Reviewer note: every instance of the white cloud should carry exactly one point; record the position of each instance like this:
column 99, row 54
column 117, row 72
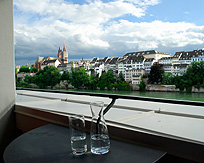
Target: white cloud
column 93, row 12
column 91, row 30
column 154, row 34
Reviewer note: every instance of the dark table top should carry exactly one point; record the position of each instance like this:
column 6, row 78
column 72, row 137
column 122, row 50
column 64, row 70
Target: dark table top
column 51, row 144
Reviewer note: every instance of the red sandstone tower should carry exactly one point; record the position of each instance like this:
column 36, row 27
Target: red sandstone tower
column 63, row 55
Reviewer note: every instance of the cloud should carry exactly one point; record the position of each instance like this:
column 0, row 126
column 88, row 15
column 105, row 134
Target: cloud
column 93, row 12
column 94, row 29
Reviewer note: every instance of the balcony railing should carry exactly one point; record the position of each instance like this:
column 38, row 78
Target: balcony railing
column 154, row 128
column 113, row 96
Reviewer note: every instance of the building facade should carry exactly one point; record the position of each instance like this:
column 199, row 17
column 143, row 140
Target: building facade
column 133, row 76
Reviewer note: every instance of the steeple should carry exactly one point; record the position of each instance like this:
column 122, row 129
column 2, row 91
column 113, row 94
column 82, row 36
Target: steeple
column 64, row 49
column 59, row 53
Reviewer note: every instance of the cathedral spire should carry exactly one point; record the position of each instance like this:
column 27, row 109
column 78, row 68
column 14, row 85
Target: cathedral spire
column 64, row 49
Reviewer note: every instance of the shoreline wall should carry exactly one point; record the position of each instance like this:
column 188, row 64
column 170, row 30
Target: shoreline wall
column 165, row 88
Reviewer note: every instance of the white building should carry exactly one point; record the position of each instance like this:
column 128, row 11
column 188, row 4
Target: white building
column 99, row 68
column 198, row 55
column 168, row 68
column 148, row 64
column 54, row 62
column 134, row 75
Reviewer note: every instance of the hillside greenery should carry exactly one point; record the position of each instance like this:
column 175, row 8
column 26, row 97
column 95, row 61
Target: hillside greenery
column 78, row 78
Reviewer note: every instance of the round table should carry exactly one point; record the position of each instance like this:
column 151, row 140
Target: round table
column 51, row 144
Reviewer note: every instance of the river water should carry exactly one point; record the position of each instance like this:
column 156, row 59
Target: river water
column 166, row 95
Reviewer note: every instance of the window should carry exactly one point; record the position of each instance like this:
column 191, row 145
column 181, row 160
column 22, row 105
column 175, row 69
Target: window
column 96, row 42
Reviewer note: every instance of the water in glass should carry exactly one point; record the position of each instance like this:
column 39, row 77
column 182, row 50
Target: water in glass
column 100, row 142
column 78, row 144
column 78, row 134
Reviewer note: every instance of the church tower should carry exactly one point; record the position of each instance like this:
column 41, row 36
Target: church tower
column 59, row 53
column 64, row 55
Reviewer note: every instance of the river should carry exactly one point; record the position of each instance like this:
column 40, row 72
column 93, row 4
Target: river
column 166, row 95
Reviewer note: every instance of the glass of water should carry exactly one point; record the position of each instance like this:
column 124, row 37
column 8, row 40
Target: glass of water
column 78, row 134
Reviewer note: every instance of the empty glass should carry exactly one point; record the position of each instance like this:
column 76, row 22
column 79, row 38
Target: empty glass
column 78, row 134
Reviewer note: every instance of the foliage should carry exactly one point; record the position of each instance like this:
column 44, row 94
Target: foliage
column 106, row 80
column 79, row 78
column 16, row 71
column 144, row 76
column 66, row 76
column 167, row 78
column 93, row 82
column 155, row 76
column 142, row 86
column 28, row 79
column 28, row 69
column 194, row 76
column 49, row 76
column 120, row 77
column 24, row 69
column 33, row 69
column 102, row 81
column 21, row 83
column 121, row 84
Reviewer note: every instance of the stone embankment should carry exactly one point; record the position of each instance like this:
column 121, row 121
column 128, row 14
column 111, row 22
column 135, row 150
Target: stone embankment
column 165, row 88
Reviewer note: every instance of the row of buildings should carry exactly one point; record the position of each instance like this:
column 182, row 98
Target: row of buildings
column 133, row 65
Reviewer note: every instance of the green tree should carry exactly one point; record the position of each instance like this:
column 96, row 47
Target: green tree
column 16, row 71
column 28, row 79
column 24, row 69
column 49, row 76
column 66, row 76
column 102, row 81
column 21, row 83
column 93, row 82
column 194, row 76
column 167, row 78
column 155, row 76
column 106, row 80
column 33, row 69
column 79, row 78
column 142, row 86
column 121, row 84
column 110, row 79
column 120, row 77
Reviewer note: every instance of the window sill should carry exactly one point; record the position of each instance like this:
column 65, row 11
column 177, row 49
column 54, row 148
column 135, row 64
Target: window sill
column 175, row 130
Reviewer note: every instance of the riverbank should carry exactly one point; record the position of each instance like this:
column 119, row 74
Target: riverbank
column 165, row 88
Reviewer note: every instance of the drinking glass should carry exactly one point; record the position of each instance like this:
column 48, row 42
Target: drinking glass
column 78, row 134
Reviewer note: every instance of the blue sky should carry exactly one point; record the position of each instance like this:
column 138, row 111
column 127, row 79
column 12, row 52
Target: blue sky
column 100, row 28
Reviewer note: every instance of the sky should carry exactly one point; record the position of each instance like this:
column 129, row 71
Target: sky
column 101, row 28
